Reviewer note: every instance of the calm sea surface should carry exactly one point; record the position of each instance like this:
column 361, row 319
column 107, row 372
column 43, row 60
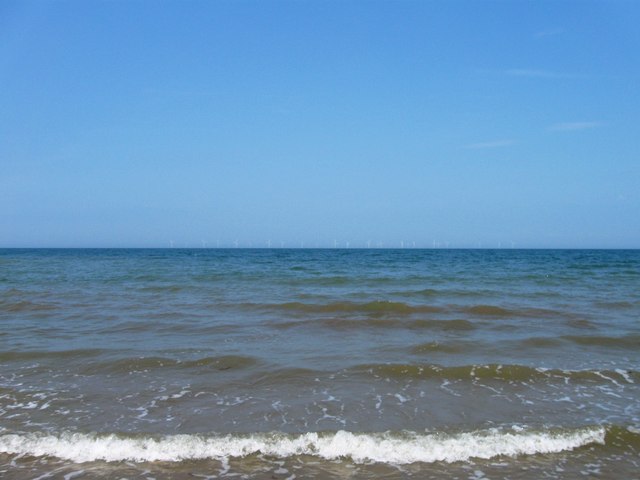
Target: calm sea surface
column 283, row 364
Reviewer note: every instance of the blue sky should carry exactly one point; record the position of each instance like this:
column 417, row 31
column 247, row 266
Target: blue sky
column 459, row 124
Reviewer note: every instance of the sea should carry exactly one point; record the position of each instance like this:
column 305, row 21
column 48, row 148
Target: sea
column 319, row 363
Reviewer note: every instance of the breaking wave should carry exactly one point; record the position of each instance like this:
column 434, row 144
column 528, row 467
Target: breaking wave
column 392, row 448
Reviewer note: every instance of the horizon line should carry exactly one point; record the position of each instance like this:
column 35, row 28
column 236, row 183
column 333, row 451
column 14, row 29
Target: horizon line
column 319, row 248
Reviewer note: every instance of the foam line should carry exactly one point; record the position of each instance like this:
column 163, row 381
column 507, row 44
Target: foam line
column 392, row 448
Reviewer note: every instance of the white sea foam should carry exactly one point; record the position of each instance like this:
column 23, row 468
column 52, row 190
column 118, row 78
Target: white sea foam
column 389, row 448
column 624, row 374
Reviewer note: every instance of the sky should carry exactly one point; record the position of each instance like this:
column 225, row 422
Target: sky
column 320, row 124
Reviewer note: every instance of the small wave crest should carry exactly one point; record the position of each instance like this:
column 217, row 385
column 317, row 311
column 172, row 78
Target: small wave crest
column 505, row 373
column 628, row 341
column 377, row 307
column 80, row 353
column 489, row 310
column 141, row 364
column 438, row 347
column 25, row 306
column 391, row 448
column 496, row 311
column 341, row 323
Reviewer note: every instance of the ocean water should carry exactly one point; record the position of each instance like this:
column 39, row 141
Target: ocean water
column 293, row 364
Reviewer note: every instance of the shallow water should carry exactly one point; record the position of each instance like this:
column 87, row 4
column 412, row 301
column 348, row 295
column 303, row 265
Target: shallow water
column 312, row 363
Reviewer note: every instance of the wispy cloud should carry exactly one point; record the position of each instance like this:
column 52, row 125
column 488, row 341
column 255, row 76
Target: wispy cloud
column 178, row 92
column 491, row 144
column 573, row 126
column 553, row 74
column 533, row 73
